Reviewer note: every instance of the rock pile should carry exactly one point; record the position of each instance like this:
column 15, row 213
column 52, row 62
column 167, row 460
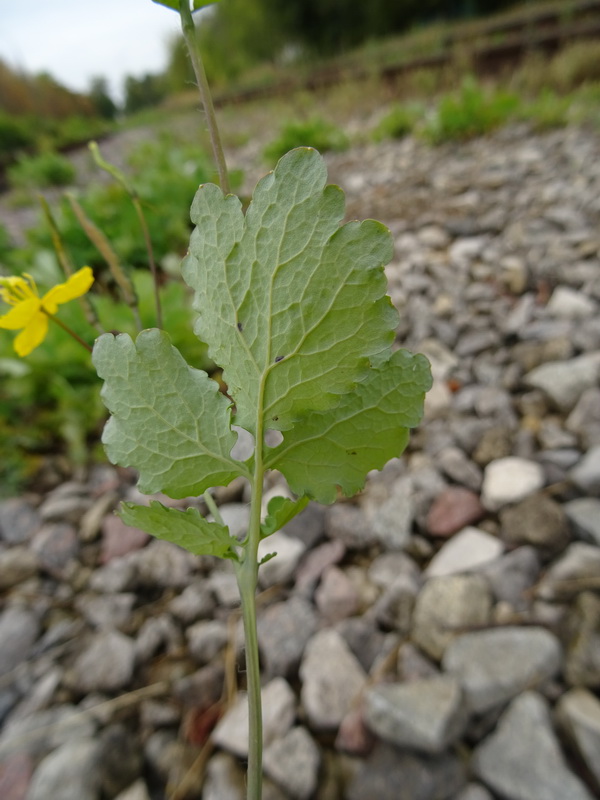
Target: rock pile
column 436, row 639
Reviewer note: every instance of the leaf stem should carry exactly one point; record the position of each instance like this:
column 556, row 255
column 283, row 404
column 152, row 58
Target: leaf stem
column 68, row 330
column 189, row 34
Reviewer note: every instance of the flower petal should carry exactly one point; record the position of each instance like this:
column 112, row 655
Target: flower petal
column 21, row 315
column 32, row 335
column 77, row 285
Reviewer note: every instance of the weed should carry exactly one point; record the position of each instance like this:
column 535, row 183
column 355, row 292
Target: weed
column 397, row 123
column 41, row 171
column 315, row 132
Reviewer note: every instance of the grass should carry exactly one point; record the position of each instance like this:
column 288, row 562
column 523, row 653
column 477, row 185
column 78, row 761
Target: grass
column 315, row 132
column 41, row 171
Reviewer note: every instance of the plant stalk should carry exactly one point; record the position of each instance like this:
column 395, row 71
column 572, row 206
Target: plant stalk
column 189, row 34
column 68, row 330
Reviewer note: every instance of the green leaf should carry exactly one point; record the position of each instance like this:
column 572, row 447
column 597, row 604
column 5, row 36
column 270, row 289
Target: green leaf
column 370, row 425
column 188, row 529
column 169, row 421
column 280, row 511
column 292, row 306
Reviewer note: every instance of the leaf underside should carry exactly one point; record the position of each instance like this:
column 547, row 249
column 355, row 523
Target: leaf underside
column 293, row 307
column 188, row 529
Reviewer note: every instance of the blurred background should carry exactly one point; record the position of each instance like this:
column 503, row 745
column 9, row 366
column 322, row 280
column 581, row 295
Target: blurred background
column 328, row 73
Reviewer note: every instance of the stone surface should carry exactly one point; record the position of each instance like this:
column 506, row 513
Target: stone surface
column 537, row 520
column 278, row 701
column 493, row 666
column 293, row 763
column 512, row 576
column 119, row 539
column 19, row 629
column 522, row 760
column 445, row 607
column 509, row 480
column 70, row 772
column 281, row 568
column 467, row 551
column 578, row 712
column 454, row 509
column 105, row 665
column 331, row 680
column 577, row 569
column 18, row 520
column 584, row 515
column 586, row 475
column 17, row 564
column 283, row 631
column 427, row 715
column 336, row 597
column 564, row 381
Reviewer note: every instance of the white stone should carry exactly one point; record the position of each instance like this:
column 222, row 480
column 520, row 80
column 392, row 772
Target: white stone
column 568, row 303
column 293, row 762
column 464, row 552
column 280, row 568
column 332, row 679
column 508, row 480
column 279, row 710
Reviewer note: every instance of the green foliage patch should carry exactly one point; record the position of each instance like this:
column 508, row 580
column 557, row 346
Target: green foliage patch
column 315, row 132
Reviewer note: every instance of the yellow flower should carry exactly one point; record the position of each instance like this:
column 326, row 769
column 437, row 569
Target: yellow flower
column 31, row 311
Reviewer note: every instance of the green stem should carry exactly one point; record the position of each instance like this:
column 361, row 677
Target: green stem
column 189, row 34
column 68, row 330
column 247, row 575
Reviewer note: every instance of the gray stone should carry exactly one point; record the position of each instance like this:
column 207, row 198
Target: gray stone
column 105, row 665
column 586, row 475
column 224, row 779
column 18, row 520
column 293, row 763
column 119, row 759
column 584, row 420
column 156, row 633
column 336, row 596
column 467, row 551
column 56, row 546
column 279, row 710
column 331, row 678
column 279, row 569
column 512, row 576
column 509, row 480
column 195, row 602
column 538, row 520
column 363, row 638
column 522, row 759
column 106, row 611
column 583, row 650
column 473, row 791
column 394, row 609
column 237, row 518
column 163, row 565
column 206, row 639
column 17, row 564
column 577, row 569
column 457, row 466
column 19, row 630
column 584, row 515
column 445, row 607
column 387, row 567
column 314, row 564
column 224, row 585
column 43, row 731
column 392, row 518
column 578, row 713
column 565, row 381
column 283, row 631
column 137, row 791
column 70, row 773
column 493, row 666
column 392, row 774
column 308, row 526
column 427, row 715
column 349, row 524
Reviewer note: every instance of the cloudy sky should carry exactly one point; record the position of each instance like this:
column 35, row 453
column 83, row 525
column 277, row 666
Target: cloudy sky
column 75, row 40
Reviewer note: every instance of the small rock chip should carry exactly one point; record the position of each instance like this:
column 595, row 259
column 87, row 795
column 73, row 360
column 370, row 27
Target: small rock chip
column 467, row 551
column 509, row 480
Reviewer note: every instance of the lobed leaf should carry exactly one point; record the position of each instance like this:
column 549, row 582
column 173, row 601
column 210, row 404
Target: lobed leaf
column 280, row 510
column 168, row 420
column 188, row 529
column 339, row 446
column 292, row 306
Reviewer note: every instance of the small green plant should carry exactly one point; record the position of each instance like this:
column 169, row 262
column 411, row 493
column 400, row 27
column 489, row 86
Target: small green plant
column 41, row 171
column 314, row 132
column 547, row 110
column 469, row 112
column 397, row 123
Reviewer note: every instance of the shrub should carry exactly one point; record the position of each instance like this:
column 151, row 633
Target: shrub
column 576, row 64
column 470, row 112
column 397, row 123
column 36, row 172
column 315, row 132
column 15, row 135
column 548, row 110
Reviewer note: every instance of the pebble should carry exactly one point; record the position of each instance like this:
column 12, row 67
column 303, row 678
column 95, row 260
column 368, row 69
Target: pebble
column 119, row 539
column 70, row 772
column 508, row 480
column 578, row 712
column 56, row 546
column 495, row 665
column 452, row 510
column 584, row 515
column 332, row 679
column 105, row 665
column 428, row 715
column 522, row 760
column 538, row 520
column 563, row 382
column 17, row 565
column 467, row 551
column 283, row 631
column 280, row 569
column 293, row 761
column 19, row 629
column 447, row 605
column 577, row 569
column 586, row 475
column 336, row 597
column 18, row 521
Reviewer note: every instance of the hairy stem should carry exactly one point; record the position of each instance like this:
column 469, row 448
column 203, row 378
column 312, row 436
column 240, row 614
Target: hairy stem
column 189, row 34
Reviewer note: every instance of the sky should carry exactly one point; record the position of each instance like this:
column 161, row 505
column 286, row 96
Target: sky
column 75, row 40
